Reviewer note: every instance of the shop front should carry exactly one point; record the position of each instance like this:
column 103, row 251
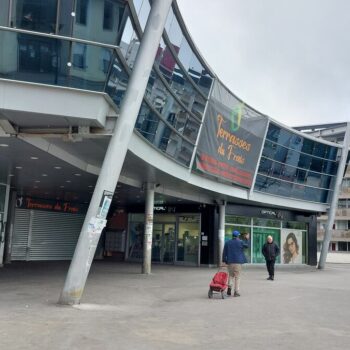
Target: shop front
column 176, row 238
column 294, row 232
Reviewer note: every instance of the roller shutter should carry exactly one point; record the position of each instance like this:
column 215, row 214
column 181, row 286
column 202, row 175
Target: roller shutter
column 20, row 236
column 52, row 235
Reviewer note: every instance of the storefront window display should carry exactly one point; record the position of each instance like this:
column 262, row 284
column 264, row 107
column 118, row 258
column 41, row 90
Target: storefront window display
column 259, row 238
column 243, row 230
column 289, row 235
column 175, row 238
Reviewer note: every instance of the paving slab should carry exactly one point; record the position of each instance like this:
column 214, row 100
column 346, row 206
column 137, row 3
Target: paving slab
column 304, row 308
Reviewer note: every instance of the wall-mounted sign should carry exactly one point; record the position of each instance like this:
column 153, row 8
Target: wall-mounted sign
column 50, row 205
column 272, row 213
column 105, row 203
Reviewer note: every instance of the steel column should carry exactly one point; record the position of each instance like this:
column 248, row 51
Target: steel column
column 116, row 152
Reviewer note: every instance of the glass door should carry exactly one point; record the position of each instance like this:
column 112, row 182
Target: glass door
column 188, row 239
column 163, row 243
column 259, row 238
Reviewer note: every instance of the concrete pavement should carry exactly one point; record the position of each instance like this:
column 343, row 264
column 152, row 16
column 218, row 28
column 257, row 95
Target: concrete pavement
column 304, row 308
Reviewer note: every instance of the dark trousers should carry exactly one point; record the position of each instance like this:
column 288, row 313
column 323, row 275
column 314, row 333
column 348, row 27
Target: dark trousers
column 270, row 264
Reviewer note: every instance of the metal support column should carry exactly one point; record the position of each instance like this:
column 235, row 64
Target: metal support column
column 221, row 234
column 115, row 155
column 331, row 213
column 147, row 238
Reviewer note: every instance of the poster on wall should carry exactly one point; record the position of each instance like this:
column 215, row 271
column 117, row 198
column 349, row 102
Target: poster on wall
column 291, row 246
column 231, row 139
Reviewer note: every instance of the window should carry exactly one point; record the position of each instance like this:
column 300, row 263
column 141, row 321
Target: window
column 81, row 11
column 342, row 246
column 36, row 15
column 108, row 16
column 105, row 59
column 79, row 55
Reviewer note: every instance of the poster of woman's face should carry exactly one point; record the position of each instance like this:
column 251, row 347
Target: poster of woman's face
column 291, row 241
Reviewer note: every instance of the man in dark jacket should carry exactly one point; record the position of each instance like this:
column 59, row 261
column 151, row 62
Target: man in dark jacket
column 270, row 251
column 234, row 257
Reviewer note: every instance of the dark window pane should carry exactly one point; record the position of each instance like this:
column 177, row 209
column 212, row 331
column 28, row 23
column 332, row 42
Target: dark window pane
column 325, row 181
column 81, row 11
column 300, row 176
column 308, row 146
column 108, row 15
column 316, row 164
column 273, row 132
column 330, row 167
column 265, row 166
column 36, row 15
column 331, row 152
column 320, row 150
column 304, row 161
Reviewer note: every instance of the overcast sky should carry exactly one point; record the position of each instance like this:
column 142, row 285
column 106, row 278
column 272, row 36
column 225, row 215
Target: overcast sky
column 289, row 59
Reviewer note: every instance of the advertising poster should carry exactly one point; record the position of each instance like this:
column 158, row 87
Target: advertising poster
column 291, row 246
column 230, row 140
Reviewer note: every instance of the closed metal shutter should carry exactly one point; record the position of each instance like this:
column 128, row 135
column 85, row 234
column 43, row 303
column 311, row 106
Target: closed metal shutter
column 54, row 235
column 45, row 235
column 20, row 235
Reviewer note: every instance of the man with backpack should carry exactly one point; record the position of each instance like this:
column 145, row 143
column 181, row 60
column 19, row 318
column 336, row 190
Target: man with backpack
column 233, row 256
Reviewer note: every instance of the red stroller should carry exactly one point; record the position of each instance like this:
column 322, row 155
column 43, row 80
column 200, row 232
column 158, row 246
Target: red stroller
column 218, row 284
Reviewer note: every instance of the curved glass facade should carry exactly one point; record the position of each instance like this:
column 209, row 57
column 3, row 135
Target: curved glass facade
column 296, row 167
column 93, row 44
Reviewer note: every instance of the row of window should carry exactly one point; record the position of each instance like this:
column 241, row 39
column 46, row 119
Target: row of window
column 290, row 190
column 300, row 144
column 100, row 21
column 291, row 174
column 297, row 159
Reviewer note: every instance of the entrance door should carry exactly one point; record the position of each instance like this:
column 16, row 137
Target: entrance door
column 188, row 239
column 163, row 243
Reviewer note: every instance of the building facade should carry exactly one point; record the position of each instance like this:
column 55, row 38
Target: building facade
column 65, row 67
column 340, row 242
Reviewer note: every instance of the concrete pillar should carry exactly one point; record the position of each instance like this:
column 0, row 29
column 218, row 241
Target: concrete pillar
column 221, row 234
column 115, row 155
column 147, row 238
column 331, row 213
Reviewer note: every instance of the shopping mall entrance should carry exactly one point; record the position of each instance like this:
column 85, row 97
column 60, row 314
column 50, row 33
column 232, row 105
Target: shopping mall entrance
column 176, row 238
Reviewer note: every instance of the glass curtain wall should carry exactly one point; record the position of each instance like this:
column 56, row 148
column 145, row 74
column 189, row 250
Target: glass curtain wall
column 290, row 236
column 296, row 167
column 171, row 113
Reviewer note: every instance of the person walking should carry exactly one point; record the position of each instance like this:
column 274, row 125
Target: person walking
column 233, row 256
column 270, row 250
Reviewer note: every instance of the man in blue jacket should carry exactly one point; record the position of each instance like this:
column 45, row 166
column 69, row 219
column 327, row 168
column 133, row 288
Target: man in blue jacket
column 234, row 257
